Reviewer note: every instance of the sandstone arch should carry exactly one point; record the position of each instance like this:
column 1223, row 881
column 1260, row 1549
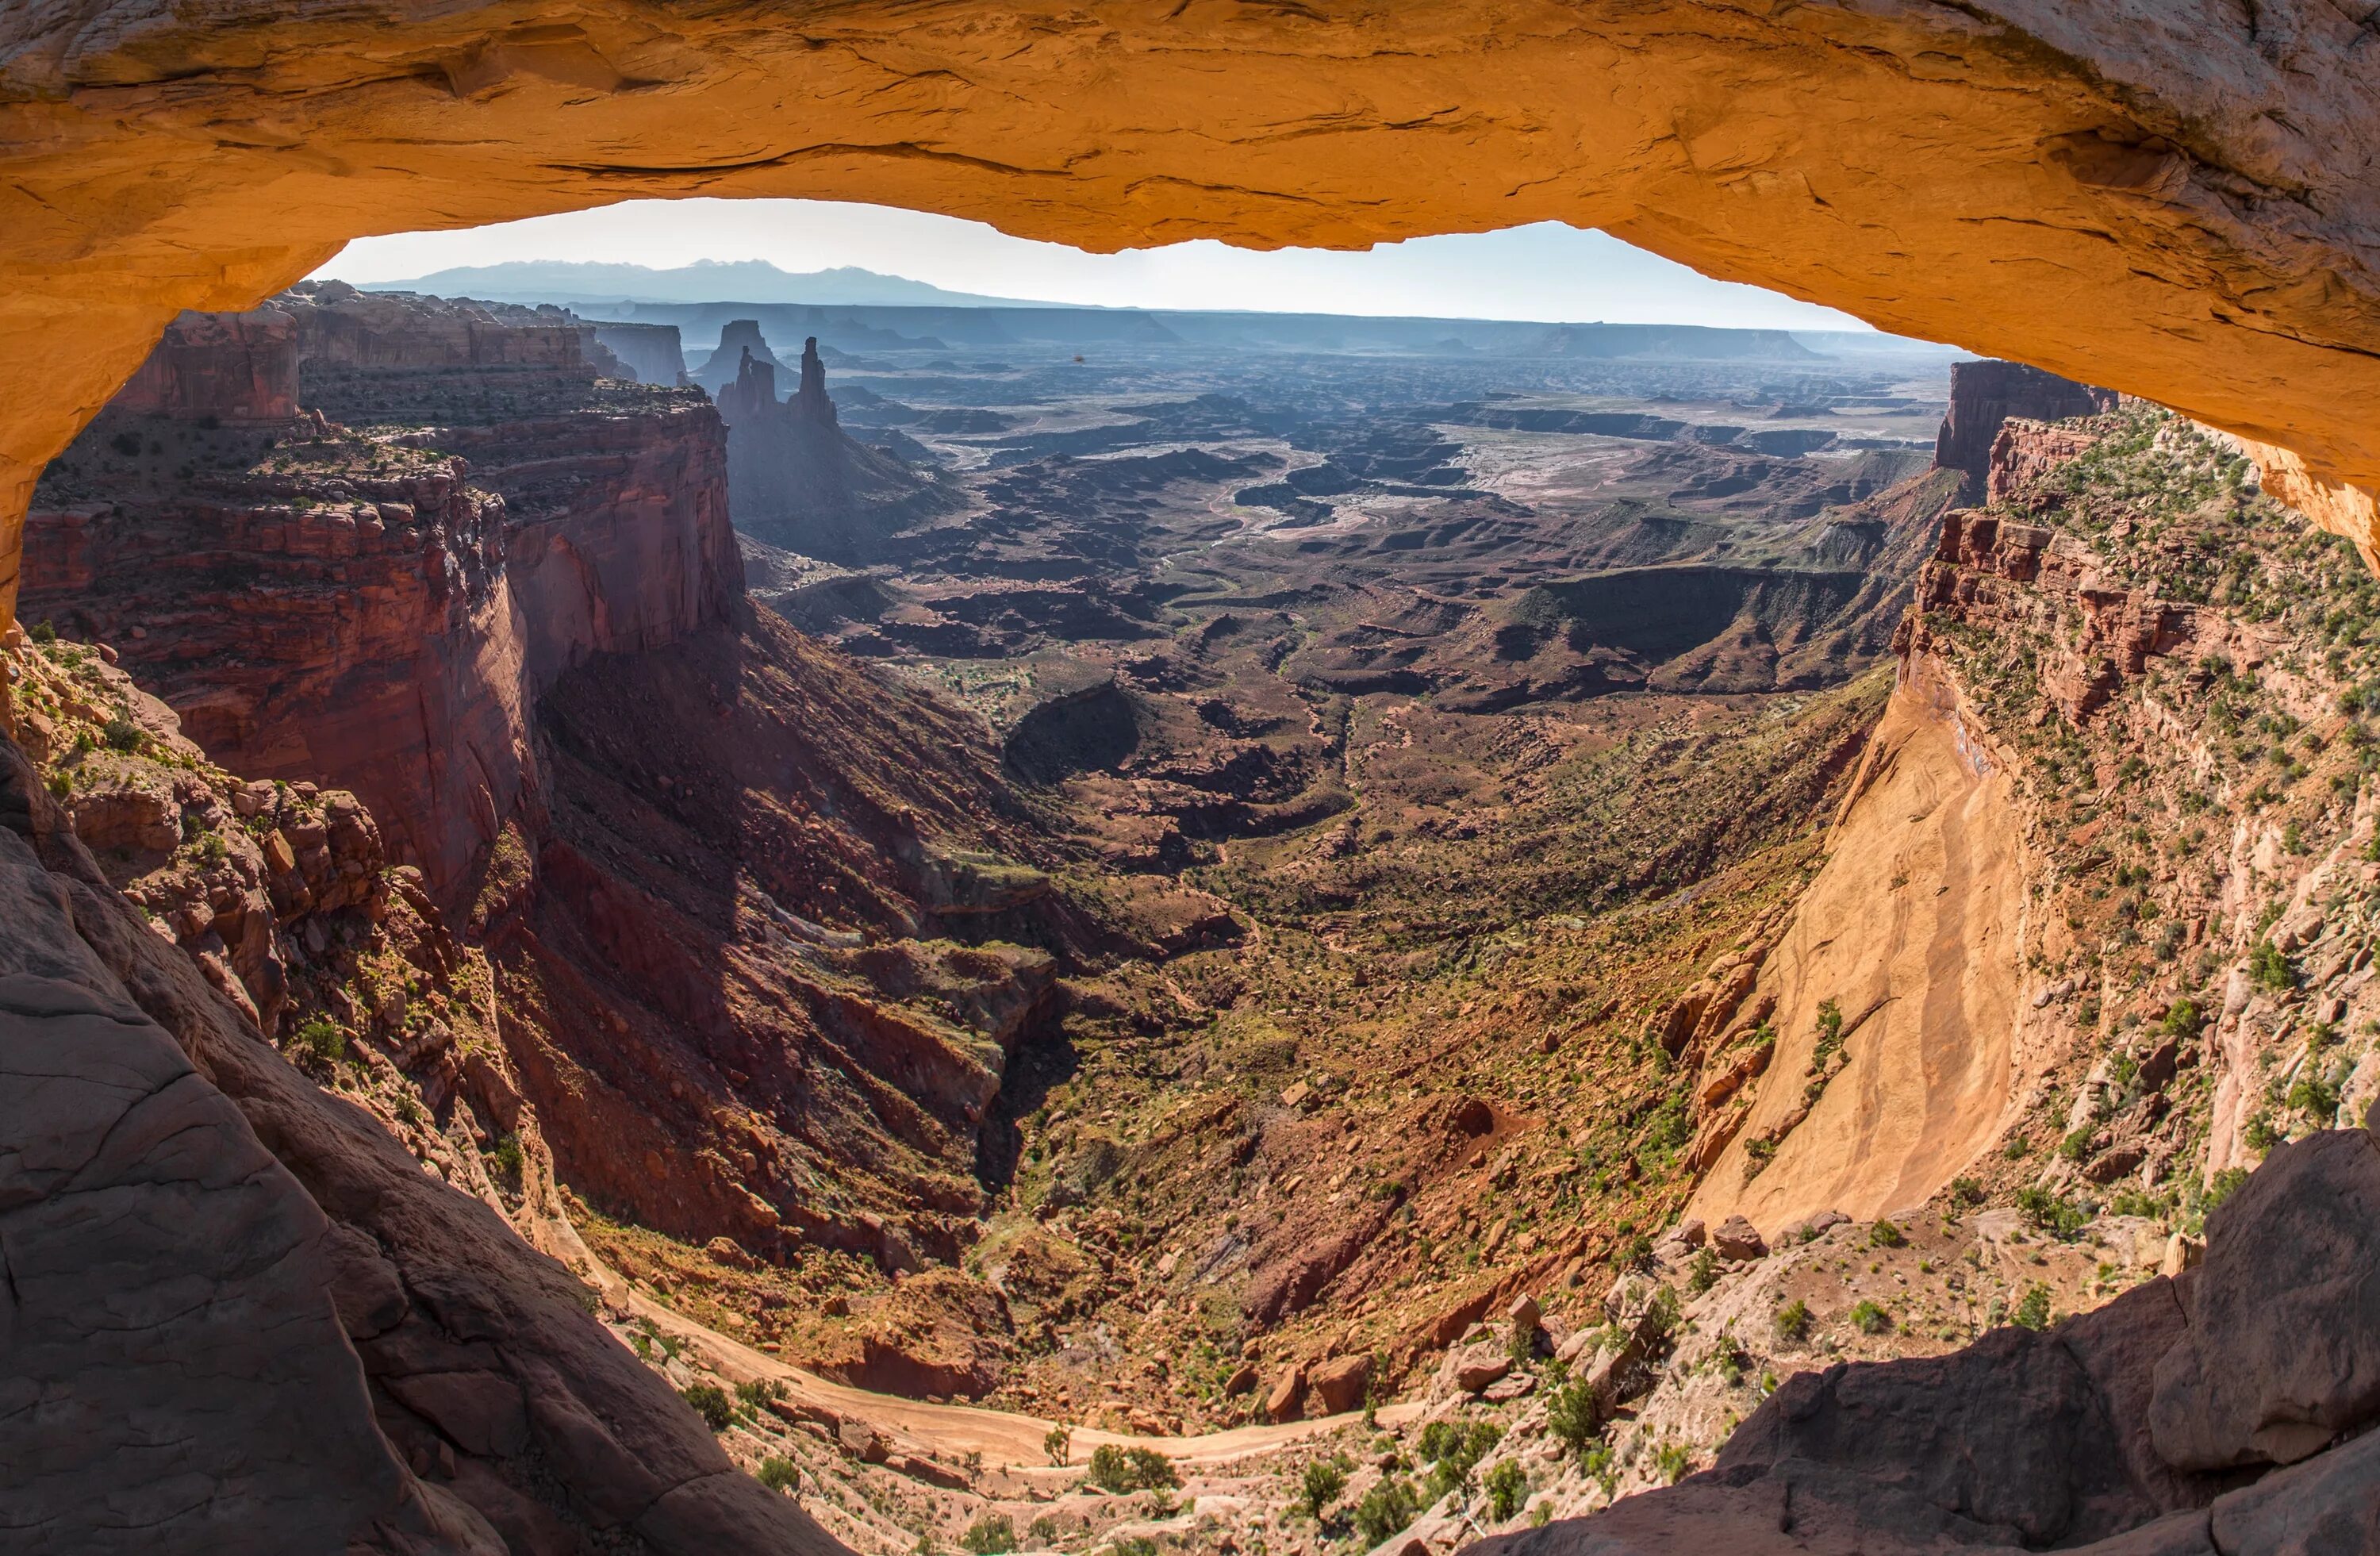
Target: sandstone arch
column 2174, row 199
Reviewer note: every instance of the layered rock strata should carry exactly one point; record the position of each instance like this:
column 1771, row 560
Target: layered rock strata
column 1985, row 394
column 376, row 597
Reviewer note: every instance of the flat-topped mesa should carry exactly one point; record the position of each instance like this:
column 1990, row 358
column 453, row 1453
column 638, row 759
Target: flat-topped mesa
column 346, row 328
column 738, row 338
column 1985, row 394
column 652, row 352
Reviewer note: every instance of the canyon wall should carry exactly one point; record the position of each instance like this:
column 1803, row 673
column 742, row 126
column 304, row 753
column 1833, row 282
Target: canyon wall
column 499, row 598
column 332, row 598
column 1984, row 395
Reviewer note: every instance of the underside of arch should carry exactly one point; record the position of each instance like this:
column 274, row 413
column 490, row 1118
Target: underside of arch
column 2175, row 201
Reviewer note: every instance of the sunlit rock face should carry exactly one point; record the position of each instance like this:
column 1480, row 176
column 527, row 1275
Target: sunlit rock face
column 2173, row 201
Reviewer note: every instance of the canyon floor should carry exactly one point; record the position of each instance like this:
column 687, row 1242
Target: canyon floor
column 1267, row 949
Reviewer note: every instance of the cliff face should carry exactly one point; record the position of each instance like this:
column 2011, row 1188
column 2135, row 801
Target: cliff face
column 736, row 890
column 651, row 351
column 308, row 1283
column 797, row 480
column 379, row 604
column 1983, row 395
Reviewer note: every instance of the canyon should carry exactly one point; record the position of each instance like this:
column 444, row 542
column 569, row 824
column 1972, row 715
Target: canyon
column 1266, row 907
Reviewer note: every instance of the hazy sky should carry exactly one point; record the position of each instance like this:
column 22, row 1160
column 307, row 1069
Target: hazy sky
column 1547, row 272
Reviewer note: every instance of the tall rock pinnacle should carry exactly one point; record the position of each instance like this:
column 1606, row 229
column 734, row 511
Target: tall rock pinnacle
column 810, row 403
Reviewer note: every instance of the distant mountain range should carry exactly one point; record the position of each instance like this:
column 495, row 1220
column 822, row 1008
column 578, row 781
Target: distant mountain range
column 704, row 281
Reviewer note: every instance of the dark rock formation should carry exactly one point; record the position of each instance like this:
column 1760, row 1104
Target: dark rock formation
column 1984, row 394
column 2097, row 1435
column 651, row 351
column 794, row 480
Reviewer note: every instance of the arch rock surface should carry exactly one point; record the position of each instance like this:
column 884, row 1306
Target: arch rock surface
column 2170, row 196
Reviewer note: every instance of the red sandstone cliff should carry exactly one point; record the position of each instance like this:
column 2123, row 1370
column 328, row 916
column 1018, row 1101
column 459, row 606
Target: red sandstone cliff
column 378, row 598
column 1984, row 395
column 719, row 871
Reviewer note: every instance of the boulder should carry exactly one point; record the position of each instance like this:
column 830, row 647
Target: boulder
column 1738, row 1239
column 1524, row 1313
column 1340, row 1384
column 1284, row 1399
column 2283, row 1350
column 1474, row 1367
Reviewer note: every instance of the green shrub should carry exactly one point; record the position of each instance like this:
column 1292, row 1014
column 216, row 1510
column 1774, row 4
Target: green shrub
column 2059, row 1217
column 2183, row 1019
column 1705, row 1273
column 122, row 735
column 777, row 1475
column 2227, row 1183
column 2032, row 1308
column 318, row 1039
column 759, row 1393
column 507, row 1160
column 1670, row 1462
column 1869, row 1318
column 1385, row 1510
column 2259, row 1135
column 2076, row 1145
column 1884, row 1234
column 994, row 1534
column 1573, row 1414
column 1508, row 1487
column 42, row 632
column 1966, row 1193
column 1319, row 1486
column 1057, row 1442
column 710, row 1402
column 1453, row 1449
column 1794, row 1319
column 2269, row 968
column 1119, row 1470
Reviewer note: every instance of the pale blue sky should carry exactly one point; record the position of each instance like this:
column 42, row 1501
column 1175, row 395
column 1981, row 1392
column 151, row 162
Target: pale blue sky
column 1547, row 272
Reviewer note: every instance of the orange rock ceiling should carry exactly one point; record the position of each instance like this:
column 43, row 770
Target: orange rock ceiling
column 2171, row 196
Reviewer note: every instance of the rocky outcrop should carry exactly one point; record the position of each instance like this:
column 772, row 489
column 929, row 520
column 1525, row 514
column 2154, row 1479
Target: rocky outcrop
column 1985, row 394
column 244, row 1316
column 376, row 598
column 798, row 481
column 2097, row 1435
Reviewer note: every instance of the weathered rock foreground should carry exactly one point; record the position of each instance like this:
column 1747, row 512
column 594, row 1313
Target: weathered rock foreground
column 2176, row 204
column 2225, row 1410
